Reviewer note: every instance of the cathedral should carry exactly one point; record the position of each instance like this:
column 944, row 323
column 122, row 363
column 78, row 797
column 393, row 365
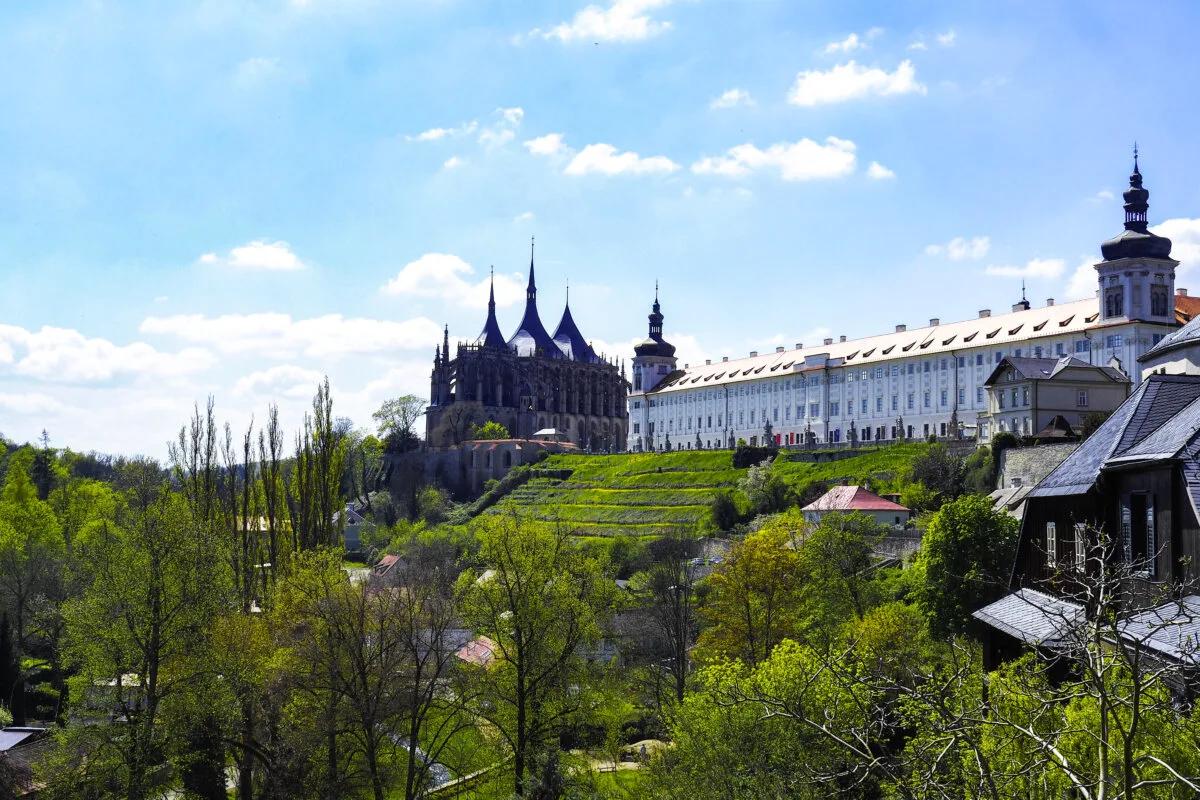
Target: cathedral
column 555, row 386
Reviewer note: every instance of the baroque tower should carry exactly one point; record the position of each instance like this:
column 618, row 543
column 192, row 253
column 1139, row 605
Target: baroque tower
column 653, row 360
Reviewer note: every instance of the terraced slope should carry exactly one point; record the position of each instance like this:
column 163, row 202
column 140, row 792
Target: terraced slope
column 657, row 494
column 643, row 494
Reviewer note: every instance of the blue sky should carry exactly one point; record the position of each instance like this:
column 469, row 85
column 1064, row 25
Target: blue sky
column 234, row 197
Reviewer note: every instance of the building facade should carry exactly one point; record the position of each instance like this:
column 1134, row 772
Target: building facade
column 528, row 382
column 1025, row 395
column 909, row 383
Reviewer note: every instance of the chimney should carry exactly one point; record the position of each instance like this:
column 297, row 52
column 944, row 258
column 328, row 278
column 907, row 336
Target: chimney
column 708, row 362
column 985, row 312
column 799, row 345
column 1181, row 293
column 753, row 353
column 724, row 359
column 829, row 341
column 1021, row 306
column 934, row 322
column 841, row 338
column 901, row 328
column 1049, row 302
column 779, row 349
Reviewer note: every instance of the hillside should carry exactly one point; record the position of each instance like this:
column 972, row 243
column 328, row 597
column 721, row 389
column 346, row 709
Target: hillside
column 657, row 494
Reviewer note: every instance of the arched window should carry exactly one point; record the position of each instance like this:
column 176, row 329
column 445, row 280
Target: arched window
column 508, row 458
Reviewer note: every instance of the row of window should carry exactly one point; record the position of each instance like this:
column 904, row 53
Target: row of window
column 1138, row 538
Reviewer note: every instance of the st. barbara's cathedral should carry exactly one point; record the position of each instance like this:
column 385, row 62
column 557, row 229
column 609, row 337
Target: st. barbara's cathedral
column 530, row 382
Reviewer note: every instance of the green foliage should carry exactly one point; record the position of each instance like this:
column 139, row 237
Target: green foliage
column 940, row 471
column 489, row 430
column 723, row 511
column 979, row 472
column 964, row 562
column 1091, row 422
column 919, row 497
column 765, row 490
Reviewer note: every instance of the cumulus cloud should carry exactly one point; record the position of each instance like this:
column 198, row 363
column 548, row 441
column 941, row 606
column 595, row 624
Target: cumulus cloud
column 1184, row 234
column 1083, row 281
column 960, row 248
column 29, row 403
column 276, row 335
column 795, row 161
column 503, row 128
column 947, row 39
column 687, row 347
column 919, row 44
column 445, row 277
column 64, row 355
column 453, row 162
column 879, row 172
column 852, row 42
column 1034, row 268
column 852, row 81
column 732, row 98
column 604, row 159
column 549, row 145
column 621, row 21
column 282, row 380
column 436, row 134
column 257, row 256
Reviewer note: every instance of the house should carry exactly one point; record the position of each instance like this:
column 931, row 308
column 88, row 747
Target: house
column 848, row 499
column 1137, row 478
column 1048, row 397
column 352, row 525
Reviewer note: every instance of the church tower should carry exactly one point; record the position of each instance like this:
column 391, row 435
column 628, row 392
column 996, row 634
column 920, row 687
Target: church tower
column 1137, row 275
column 653, row 360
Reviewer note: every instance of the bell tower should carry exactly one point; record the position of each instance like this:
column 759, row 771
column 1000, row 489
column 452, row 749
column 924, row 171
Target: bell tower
column 1137, row 275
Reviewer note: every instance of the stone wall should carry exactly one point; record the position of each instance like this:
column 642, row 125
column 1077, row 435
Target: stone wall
column 1026, row 466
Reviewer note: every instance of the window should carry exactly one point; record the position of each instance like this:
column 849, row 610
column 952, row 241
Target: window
column 978, row 394
column 1014, row 397
column 752, row 416
column 775, row 414
column 1080, row 546
column 1114, row 301
column 962, row 362
column 1156, row 338
column 926, row 399
column 895, row 402
column 1051, row 545
column 814, row 409
column 962, row 396
column 787, row 412
column 1158, row 300
column 942, row 398
column 879, row 404
column 1081, row 399
column 1017, row 352
column 926, row 368
column 910, row 369
column 979, row 359
column 637, row 427
column 1024, row 395
column 910, row 402
column 834, row 408
column 1114, row 340
column 864, row 405
column 1081, row 346
column 999, row 356
column 943, row 366
column 1060, row 349
column 1037, row 352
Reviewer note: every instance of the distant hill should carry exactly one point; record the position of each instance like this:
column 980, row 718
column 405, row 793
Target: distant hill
column 659, row 494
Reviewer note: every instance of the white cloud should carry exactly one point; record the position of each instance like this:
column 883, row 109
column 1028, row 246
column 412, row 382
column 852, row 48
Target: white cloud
column 947, row 39
column 607, row 160
column 444, row 276
column 621, row 21
column 435, row 134
column 1102, row 196
column 796, row 161
column 282, row 380
column 732, row 98
column 276, row 335
column 852, row 42
column 64, row 355
column 504, row 129
column 851, row 81
column 1083, row 282
column 919, row 44
column 879, row 172
column 29, row 403
column 961, row 248
column 524, row 216
column 1184, row 234
column 1034, row 268
column 257, row 256
column 687, row 347
column 549, row 145
column 452, row 162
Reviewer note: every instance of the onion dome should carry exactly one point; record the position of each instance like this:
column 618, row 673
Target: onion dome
column 569, row 340
column 530, row 337
column 491, row 336
column 654, row 344
column 1136, row 241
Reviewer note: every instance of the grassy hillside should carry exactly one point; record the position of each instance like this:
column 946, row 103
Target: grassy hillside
column 657, row 494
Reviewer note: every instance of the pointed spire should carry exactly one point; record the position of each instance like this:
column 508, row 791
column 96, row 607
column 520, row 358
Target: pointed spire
column 492, row 287
column 446, row 343
column 491, row 336
column 1135, row 155
column 531, row 289
column 568, row 292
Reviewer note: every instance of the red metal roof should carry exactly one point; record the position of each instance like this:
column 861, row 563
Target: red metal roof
column 852, row 498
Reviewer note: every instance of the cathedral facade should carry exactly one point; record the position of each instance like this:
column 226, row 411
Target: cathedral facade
column 910, row 382
column 532, row 382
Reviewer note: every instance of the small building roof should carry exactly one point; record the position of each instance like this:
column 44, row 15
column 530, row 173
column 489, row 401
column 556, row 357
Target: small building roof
column 852, row 498
column 1034, row 617
column 1172, row 629
column 1046, row 369
column 480, row 651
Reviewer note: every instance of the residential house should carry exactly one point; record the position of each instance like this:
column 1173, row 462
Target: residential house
column 848, row 499
column 1029, row 395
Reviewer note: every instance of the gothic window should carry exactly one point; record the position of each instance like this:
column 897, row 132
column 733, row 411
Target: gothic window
column 1114, row 301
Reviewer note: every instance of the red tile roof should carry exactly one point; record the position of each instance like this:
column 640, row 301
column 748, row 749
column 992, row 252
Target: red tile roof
column 852, row 498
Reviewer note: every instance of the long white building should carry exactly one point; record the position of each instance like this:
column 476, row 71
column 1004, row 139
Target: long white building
column 907, row 383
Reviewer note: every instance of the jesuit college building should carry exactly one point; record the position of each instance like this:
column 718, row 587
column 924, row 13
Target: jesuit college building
column 907, row 383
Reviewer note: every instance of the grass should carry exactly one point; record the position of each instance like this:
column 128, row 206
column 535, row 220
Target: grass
column 659, row 494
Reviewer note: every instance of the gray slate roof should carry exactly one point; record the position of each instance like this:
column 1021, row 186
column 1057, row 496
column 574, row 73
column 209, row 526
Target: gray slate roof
column 1034, row 617
column 1172, row 629
column 1161, row 402
column 1188, row 334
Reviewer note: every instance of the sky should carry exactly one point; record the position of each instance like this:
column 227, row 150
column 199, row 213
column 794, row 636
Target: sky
column 234, row 198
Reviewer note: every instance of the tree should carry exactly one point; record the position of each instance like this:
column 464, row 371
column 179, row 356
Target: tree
column 755, row 596
column 723, row 511
column 964, row 561
column 489, row 430
column 542, row 601
column 836, row 559
column 765, row 490
column 940, row 471
column 396, row 419
column 1091, row 422
column 668, row 587
column 314, row 497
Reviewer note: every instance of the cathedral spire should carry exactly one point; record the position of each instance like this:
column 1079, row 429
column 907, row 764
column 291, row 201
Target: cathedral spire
column 491, row 336
column 531, row 337
column 531, row 289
